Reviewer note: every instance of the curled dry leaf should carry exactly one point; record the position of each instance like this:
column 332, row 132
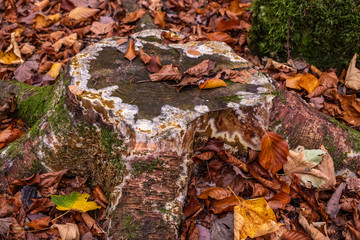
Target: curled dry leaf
column 130, row 53
column 27, row 49
column 12, row 55
column 220, row 37
column 201, row 69
column 332, row 109
column 279, row 201
column 80, row 14
column 75, row 90
column 352, row 79
column 159, row 18
column 68, row 231
column 275, row 185
column 241, row 76
column 204, row 156
column 42, row 5
column 54, row 70
column 40, row 223
column 92, row 224
column 224, row 205
column 311, row 230
column 274, row 151
column 271, row 64
column 192, row 207
column 100, row 197
column 67, row 41
column 227, row 25
column 143, row 56
column 167, row 72
column 215, row 193
column 351, row 107
column 333, row 206
column 42, row 21
column 227, row 157
column 212, row 83
column 306, row 81
column 8, row 135
column 133, row 16
column 154, row 65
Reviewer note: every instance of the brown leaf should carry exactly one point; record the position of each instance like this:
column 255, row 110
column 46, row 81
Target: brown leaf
column 220, row 37
column 143, row 56
column 67, row 41
column 227, row 25
column 42, row 21
column 100, row 196
column 354, row 231
column 6, row 206
column 130, row 53
column 279, row 201
column 352, row 79
column 275, row 185
column 8, row 135
column 224, row 205
column 92, row 224
column 159, row 18
column 193, row 52
column 133, row 16
column 315, row 71
column 101, row 28
column 187, row 80
column 154, row 65
column 40, row 223
column 201, row 69
column 192, row 207
column 42, row 5
column 271, row 64
column 49, row 182
column 351, row 107
column 167, row 72
column 68, row 231
column 204, row 156
column 27, row 49
column 40, row 205
column 75, row 90
column 215, row 193
column 333, row 206
column 241, row 76
column 295, row 235
column 80, row 14
column 227, row 157
column 274, row 151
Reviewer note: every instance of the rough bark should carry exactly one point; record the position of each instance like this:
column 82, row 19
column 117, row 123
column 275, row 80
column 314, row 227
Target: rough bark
column 136, row 139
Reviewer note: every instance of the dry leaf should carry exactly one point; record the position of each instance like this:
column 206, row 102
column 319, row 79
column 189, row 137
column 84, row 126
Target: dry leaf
column 8, row 135
column 311, row 230
column 27, row 49
column 80, row 14
column 68, row 231
column 12, row 55
column 193, row 52
column 295, row 235
column 67, row 41
column 201, row 69
column 167, row 72
column 159, row 18
column 40, row 223
column 303, row 80
column 227, row 157
column 154, row 65
column 54, row 70
column 220, row 37
column 212, row 83
column 227, row 25
column 279, row 201
column 143, row 56
column 253, row 218
column 133, row 16
column 101, row 28
column 352, row 79
column 274, row 152
column 215, row 193
column 333, row 205
column 271, row 64
column 204, row 156
column 130, row 53
column 42, row 21
column 241, row 76
column 75, row 90
column 224, row 205
column 351, row 107
column 42, row 5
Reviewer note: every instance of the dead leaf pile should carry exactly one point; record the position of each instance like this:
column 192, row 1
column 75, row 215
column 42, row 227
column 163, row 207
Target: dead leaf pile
column 272, row 194
column 50, row 206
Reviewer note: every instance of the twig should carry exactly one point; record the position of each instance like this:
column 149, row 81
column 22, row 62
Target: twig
column 288, row 40
column 60, row 215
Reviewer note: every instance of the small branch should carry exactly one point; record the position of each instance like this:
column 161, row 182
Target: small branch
column 288, row 40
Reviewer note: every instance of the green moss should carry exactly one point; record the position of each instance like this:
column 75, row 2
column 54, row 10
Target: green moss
column 231, row 98
column 109, row 139
column 280, row 94
column 130, row 227
column 321, row 31
column 145, row 166
column 354, row 136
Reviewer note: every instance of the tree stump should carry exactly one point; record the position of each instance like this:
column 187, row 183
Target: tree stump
column 135, row 138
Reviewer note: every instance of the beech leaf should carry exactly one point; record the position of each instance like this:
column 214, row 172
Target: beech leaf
column 82, row 13
column 75, row 201
column 133, row 16
column 159, row 19
column 215, row 193
column 212, row 83
column 352, row 79
column 220, row 37
column 167, row 72
column 130, row 53
column 274, row 151
column 68, row 231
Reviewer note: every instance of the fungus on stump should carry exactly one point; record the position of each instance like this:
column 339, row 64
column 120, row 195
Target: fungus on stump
column 135, row 138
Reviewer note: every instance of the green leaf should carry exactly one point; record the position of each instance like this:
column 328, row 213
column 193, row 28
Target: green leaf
column 314, row 155
column 75, row 201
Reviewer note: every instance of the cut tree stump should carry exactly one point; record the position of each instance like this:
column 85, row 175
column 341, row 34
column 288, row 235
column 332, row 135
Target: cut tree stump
column 135, row 138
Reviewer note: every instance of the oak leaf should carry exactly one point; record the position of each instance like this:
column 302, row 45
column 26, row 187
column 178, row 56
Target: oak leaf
column 274, row 151
column 253, row 218
column 74, row 201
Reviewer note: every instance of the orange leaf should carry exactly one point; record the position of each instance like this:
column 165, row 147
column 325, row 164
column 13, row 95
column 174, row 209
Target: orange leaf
column 274, row 151
column 82, row 13
column 309, row 82
column 9, row 135
column 293, row 82
column 130, row 53
column 194, row 52
column 220, row 37
column 212, row 83
column 225, row 205
column 39, row 223
column 159, row 19
column 143, row 56
column 133, row 16
column 215, row 192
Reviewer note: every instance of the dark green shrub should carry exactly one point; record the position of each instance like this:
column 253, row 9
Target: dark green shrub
column 324, row 32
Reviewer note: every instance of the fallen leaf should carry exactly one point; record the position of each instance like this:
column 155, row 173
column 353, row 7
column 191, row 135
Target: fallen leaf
column 201, row 69
column 212, row 83
column 100, row 197
column 40, row 205
column 67, row 41
column 40, row 223
column 274, row 151
column 68, row 231
column 227, row 157
column 193, row 52
column 42, row 5
column 215, row 193
column 311, row 230
column 133, row 16
column 75, row 90
column 80, row 14
column 352, row 79
column 295, row 235
column 332, row 109
column 220, row 37
column 167, row 72
column 239, row 76
column 12, row 55
column 353, row 230
column 27, row 49
column 75, row 201
column 92, row 224
column 42, row 21
column 271, row 64
column 130, row 53
column 224, row 205
column 54, row 70
column 204, row 156
column 5, row 225
column 104, row 26
column 144, row 56
column 159, row 18
column 351, row 109
column 275, row 185
column 8, row 135
column 279, row 201
column 309, row 82
column 253, row 218
column 154, row 65
column 227, row 25
column 192, row 206
column 333, row 205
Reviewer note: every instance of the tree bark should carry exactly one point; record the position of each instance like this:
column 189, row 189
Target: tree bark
column 135, row 138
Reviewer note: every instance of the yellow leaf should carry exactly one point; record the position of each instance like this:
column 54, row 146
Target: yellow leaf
column 75, row 201
column 212, row 83
column 68, row 231
column 12, row 55
column 309, row 82
column 54, row 70
column 253, row 218
column 43, row 21
column 293, row 82
column 82, row 13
